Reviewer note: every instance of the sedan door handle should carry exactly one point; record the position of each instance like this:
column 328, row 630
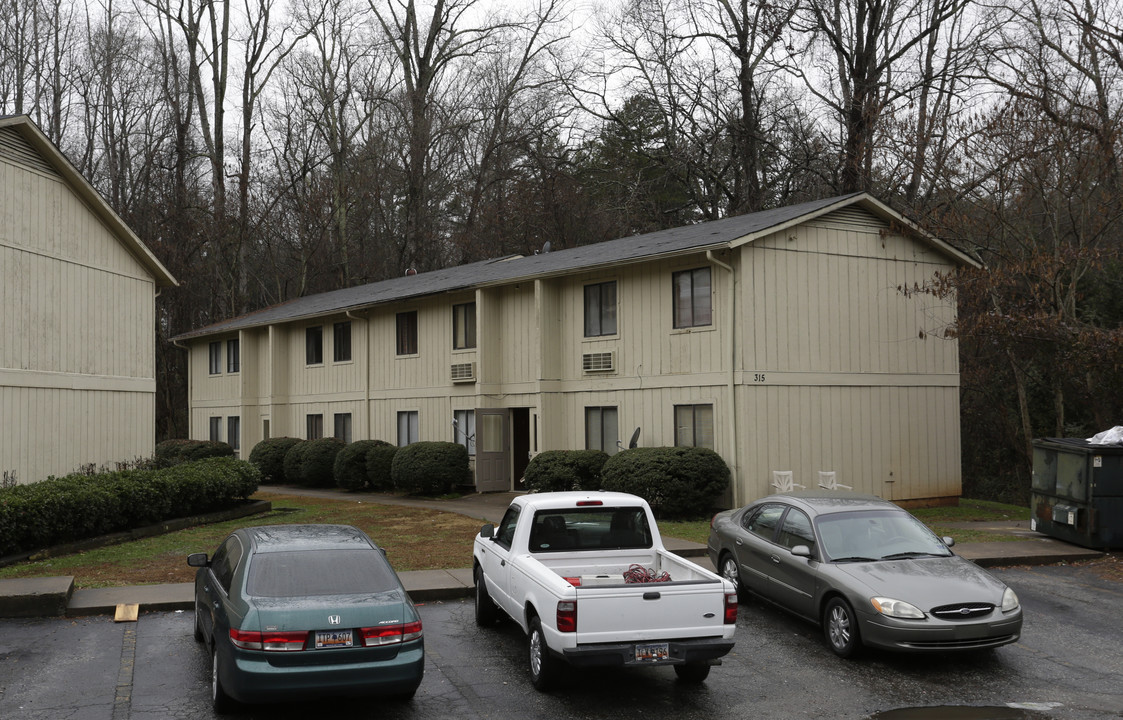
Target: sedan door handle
column 738, row 541
column 502, row 563
column 774, row 559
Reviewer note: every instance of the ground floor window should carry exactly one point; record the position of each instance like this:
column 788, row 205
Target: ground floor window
column 234, row 432
column 343, row 426
column 464, row 429
column 602, row 429
column 407, row 427
column 314, row 426
column 216, row 429
column 694, row 426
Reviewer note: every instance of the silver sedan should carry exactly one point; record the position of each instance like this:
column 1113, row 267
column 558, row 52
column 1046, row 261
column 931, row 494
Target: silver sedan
column 864, row 569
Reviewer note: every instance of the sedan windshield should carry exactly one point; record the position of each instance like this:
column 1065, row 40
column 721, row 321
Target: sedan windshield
column 877, row 535
column 319, row 572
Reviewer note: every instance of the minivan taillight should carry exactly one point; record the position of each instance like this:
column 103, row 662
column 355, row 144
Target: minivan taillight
column 390, row 634
column 567, row 616
column 271, row 641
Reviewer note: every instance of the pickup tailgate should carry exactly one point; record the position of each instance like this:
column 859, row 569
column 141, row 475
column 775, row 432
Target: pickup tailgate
column 656, row 611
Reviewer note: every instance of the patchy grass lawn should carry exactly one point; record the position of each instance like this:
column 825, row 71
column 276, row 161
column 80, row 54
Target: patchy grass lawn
column 414, row 538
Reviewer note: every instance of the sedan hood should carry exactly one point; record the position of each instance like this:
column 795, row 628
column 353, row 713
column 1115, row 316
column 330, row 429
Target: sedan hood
column 320, row 612
column 924, row 582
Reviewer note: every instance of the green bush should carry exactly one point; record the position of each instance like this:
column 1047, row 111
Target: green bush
column 79, row 506
column 557, row 470
column 351, row 464
column 314, row 463
column 380, row 464
column 269, row 457
column 678, row 482
column 293, row 462
column 173, row 452
column 431, row 468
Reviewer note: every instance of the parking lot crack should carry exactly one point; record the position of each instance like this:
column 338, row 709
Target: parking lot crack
column 122, row 700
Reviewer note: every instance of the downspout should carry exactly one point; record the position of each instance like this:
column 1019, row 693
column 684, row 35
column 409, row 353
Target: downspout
column 731, row 385
column 366, row 372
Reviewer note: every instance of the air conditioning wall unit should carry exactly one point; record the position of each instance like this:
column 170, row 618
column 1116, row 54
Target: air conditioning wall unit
column 463, row 372
column 598, row 362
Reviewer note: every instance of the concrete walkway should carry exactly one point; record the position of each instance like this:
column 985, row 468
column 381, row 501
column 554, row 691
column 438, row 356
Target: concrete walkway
column 56, row 596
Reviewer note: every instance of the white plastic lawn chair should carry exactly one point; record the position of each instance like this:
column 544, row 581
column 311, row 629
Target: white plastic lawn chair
column 828, row 480
column 783, row 482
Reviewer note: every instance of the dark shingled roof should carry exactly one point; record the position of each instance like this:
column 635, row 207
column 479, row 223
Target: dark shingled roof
column 691, row 238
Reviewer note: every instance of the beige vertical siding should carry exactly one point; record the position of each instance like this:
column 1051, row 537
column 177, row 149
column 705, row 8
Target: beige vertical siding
column 829, row 367
column 77, row 355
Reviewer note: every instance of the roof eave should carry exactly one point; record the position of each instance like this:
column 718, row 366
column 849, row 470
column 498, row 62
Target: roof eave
column 77, row 182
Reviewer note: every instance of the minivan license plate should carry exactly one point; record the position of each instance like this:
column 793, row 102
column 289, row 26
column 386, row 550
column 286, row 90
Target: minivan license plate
column 334, row 639
column 652, row 652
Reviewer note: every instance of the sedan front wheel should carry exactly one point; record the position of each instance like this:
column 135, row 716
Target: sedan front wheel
column 840, row 626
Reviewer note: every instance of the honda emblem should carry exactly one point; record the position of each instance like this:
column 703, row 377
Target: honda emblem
column 334, row 619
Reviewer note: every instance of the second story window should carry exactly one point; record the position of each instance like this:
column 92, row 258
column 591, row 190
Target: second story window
column 464, row 326
column 692, row 298
column 233, row 356
column 600, row 309
column 341, row 342
column 314, row 345
column 214, row 353
column 407, row 333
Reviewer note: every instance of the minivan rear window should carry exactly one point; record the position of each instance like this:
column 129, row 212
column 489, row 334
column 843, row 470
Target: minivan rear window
column 319, row 572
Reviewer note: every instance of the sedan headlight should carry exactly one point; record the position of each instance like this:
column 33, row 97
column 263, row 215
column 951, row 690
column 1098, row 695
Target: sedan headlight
column 1009, row 600
column 896, row 608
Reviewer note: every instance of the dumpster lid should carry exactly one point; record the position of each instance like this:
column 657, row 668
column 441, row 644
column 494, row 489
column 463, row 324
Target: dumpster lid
column 1079, row 445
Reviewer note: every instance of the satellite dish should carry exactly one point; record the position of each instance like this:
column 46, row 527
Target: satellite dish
column 634, row 442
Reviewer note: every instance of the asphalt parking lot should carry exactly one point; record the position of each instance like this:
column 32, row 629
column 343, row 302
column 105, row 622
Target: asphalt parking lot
column 1067, row 665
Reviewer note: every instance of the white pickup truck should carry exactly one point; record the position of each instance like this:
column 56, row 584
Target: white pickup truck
column 586, row 576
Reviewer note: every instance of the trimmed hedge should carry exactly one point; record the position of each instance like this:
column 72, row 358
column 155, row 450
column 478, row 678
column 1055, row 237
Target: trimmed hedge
column 351, row 464
column 311, row 463
column 678, row 482
column 75, row 507
column 269, row 457
column 558, row 470
column 431, row 468
column 380, row 467
column 173, row 452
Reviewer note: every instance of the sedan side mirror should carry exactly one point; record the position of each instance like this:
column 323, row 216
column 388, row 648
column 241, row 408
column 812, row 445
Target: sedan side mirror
column 487, row 531
column 802, row 551
column 948, row 541
column 197, row 560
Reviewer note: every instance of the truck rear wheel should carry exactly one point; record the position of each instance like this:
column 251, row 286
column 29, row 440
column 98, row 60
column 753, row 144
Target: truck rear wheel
column 486, row 611
column 692, row 672
column 543, row 668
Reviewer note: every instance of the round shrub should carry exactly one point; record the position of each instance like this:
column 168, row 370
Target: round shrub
column 351, row 464
column 431, row 468
column 380, row 464
column 269, row 457
column 557, row 470
column 316, row 464
column 294, row 460
column 173, row 452
column 678, row 482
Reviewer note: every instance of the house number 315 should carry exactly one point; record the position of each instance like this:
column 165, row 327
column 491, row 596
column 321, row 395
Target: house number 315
column 758, row 377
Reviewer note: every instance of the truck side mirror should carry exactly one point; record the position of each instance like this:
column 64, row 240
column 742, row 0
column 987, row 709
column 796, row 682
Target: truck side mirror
column 197, row 560
column 487, row 531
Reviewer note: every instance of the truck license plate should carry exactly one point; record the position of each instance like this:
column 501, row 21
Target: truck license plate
column 652, row 652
